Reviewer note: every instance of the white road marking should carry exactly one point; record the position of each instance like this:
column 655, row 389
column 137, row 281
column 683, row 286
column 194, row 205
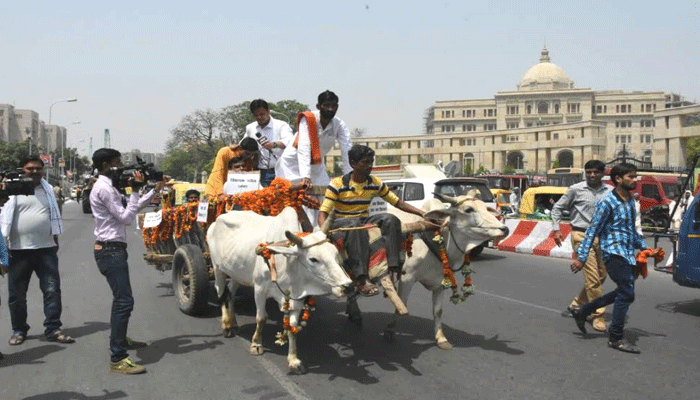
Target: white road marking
column 519, row 302
column 292, row 388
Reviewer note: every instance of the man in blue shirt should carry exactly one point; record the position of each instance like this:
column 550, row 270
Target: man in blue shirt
column 613, row 222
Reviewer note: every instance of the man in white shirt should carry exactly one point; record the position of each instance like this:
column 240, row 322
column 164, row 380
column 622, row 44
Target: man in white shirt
column 298, row 161
column 32, row 225
column 272, row 136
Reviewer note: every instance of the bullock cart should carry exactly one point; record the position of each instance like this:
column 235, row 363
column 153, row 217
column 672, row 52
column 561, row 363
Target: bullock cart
column 179, row 244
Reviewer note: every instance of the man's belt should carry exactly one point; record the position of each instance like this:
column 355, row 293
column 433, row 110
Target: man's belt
column 577, row 229
column 267, row 170
column 111, row 245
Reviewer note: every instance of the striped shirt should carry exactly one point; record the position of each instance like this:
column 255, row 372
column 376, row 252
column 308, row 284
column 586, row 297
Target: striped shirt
column 613, row 221
column 581, row 200
column 351, row 199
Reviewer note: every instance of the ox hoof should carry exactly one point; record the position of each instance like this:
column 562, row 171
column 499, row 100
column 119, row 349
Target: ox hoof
column 389, row 335
column 230, row 332
column 445, row 345
column 297, row 368
column 256, row 350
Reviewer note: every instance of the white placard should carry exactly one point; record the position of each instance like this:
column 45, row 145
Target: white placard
column 242, row 182
column 152, row 219
column 202, row 212
column 377, row 206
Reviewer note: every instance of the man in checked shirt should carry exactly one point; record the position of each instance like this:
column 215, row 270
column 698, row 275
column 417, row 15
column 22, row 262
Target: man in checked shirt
column 613, row 223
column 580, row 200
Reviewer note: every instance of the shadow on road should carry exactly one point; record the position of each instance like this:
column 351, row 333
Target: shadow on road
column 78, row 396
column 331, row 345
column 89, row 328
column 181, row 344
column 30, row 356
column 689, row 307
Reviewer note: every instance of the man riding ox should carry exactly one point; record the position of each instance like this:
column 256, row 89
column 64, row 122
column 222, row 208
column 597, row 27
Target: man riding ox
column 468, row 223
column 298, row 267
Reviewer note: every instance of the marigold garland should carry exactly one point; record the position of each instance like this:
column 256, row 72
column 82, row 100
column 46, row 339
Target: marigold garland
column 282, row 338
column 449, row 280
column 267, row 201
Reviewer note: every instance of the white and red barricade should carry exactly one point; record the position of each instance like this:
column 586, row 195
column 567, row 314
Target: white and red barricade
column 535, row 237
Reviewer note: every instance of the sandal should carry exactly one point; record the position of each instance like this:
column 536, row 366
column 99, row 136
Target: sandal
column 59, row 337
column 367, row 288
column 17, row 338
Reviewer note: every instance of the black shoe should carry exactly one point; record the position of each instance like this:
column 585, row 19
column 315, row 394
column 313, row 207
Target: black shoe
column 579, row 318
column 624, row 345
column 567, row 313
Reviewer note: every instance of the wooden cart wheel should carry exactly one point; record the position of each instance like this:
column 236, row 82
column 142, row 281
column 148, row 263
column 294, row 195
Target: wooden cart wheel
column 190, row 279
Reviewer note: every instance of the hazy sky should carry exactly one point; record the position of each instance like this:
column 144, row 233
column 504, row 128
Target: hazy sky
column 137, row 67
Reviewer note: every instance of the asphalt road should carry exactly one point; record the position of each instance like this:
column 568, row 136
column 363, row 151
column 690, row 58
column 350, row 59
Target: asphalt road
column 510, row 341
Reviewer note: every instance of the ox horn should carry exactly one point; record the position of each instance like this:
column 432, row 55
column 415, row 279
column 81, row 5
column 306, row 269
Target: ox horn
column 447, row 199
column 327, row 223
column 293, row 238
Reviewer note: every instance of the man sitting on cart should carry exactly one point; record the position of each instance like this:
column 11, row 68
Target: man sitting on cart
column 350, row 195
column 247, row 149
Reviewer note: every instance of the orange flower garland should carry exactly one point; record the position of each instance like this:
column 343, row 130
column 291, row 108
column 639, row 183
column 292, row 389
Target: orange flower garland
column 283, row 337
column 267, row 201
column 449, row 280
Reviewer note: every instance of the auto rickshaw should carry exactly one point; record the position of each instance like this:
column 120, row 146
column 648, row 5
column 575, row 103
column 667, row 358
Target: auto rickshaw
column 537, row 202
column 502, row 198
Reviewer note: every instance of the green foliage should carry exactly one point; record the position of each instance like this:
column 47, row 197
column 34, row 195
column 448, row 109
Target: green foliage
column 508, row 169
column 555, row 164
column 388, row 160
column 425, row 159
column 468, row 170
column 12, row 153
column 358, row 133
column 481, row 170
column 692, row 146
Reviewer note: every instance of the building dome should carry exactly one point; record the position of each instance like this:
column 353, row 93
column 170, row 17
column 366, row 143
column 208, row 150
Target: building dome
column 545, row 76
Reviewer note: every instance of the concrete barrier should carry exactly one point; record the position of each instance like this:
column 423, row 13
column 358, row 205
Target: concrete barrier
column 535, row 237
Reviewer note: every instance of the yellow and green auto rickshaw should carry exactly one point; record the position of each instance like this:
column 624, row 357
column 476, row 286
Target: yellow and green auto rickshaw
column 502, row 198
column 537, row 202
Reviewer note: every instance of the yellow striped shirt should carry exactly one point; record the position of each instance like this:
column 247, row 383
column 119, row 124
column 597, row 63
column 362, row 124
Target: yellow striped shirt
column 351, row 199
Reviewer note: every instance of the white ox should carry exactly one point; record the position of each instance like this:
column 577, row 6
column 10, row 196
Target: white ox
column 469, row 223
column 309, row 267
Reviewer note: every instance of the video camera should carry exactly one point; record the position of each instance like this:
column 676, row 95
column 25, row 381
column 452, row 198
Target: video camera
column 122, row 175
column 16, row 184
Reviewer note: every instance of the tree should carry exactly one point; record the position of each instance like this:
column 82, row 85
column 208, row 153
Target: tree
column 358, row 133
column 200, row 127
column 289, row 109
column 508, row 169
column 386, row 160
column 428, row 118
column 12, row 153
column 481, row 170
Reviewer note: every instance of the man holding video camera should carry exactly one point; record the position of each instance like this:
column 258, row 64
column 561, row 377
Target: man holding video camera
column 32, row 223
column 111, row 219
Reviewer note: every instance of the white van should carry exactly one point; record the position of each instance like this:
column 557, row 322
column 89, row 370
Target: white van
column 415, row 191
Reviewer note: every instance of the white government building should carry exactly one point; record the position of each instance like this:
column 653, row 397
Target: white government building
column 547, row 119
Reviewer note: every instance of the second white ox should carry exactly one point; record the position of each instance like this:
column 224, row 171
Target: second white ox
column 309, row 267
column 469, row 222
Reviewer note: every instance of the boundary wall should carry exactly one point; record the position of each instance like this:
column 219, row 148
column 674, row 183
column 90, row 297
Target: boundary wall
column 536, row 237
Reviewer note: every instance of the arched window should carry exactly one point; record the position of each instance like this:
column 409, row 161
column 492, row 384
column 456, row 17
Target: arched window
column 556, row 108
column 565, row 158
column 468, row 160
column 528, row 110
column 515, row 160
column 542, row 108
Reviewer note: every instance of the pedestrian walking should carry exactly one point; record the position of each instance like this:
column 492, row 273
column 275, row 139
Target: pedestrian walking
column 613, row 222
column 580, row 200
column 31, row 225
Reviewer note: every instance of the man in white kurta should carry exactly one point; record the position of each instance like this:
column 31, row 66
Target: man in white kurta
column 272, row 136
column 295, row 162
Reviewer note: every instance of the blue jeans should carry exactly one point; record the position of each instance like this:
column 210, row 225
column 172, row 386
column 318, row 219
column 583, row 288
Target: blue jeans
column 266, row 177
column 622, row 273
column 112, row 264
column 43, row 262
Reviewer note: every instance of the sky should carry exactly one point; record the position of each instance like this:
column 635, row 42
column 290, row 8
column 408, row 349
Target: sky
column 138, row 67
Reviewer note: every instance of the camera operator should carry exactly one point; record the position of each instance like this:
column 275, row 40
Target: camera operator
column 111, row 219
column 32, row 225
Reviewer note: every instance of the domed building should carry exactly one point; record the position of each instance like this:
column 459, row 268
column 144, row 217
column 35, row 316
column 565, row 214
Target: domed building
column 547, row 121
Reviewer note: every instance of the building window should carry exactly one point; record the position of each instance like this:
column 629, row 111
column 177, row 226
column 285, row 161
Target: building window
column 556, row 108
column 542, row 108
column 575, row 108
column 648, row 123
column 489, row 127
column 528, row 125
column 570, row 136
column 513, row 125
column 623, row 124
column 470, row 127
column 513, row 110
column 555, row 136
column 528, row 109
column 512, row 138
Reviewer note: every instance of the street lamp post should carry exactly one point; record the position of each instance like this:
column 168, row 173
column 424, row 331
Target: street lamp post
column 71, row 100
